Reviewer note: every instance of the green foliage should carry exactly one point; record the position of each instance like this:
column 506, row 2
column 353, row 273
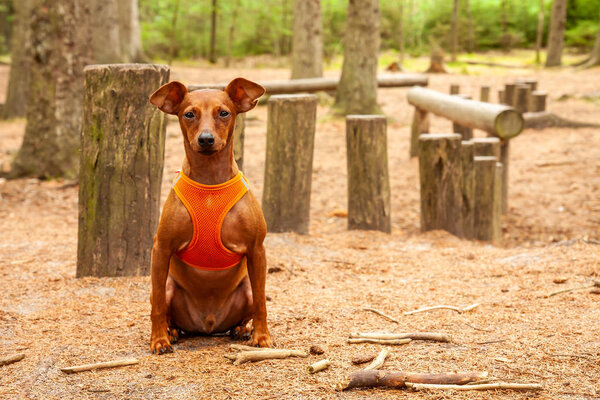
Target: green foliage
column 582, row 35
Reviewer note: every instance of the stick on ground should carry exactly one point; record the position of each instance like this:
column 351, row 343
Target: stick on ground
column 595, row 284
column 12, row 359
column 260, row 355
column 362, row 358
column 437, row 337
column 379, row 341
column 398, row 379
column 378, row 362
column 442, row 307
column 487, row 386
column 382, row 314
column 318, row 366
column 107, row 364
column 243, row 347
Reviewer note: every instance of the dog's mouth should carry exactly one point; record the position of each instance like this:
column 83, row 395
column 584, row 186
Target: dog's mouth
column 207, row 152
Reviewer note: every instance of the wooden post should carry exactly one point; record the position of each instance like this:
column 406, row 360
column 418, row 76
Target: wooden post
column 522, row 95
column 121, row 166
column 486, row 220
column 468, row 188
column 238, row 140
column 454, row 89
column 509, row 94
column 501, row 97
column 504, row 159
column 368, row 179
column 288, row 166
column 464, row 131
column 538, row 101
column 440, row 174
column 498, row 203
column 485, row 94
column 420, row 125
column 487, row 146
column 532, row 83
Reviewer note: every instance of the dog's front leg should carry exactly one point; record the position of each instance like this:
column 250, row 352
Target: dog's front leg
column 257, row 271
column 159, row 339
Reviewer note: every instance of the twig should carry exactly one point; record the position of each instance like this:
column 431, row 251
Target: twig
column 260, row 355
column 457, row 309
column 437, row 337
column 382, row 314
column 318, row 366
column 595, row 284
column 487, row 386
column 12, row 359
column 399, row 379
column 378, row 362
column 379, row 341
column 243, row 347
column 492, row 341
column 107, row 364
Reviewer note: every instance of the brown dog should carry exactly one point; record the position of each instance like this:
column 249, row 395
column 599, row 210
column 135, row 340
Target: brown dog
column 209, row 296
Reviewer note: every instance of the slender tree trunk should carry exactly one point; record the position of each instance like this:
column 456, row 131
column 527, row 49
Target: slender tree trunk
column 595, row 55
column 400, row 35
column 234, row 13
column 503, row 21
column 556, row 33
column 173, row 49
column 129, row 31
column 471, row 42
column 454, row 32
column 540, row 33
column 212, row 57
column 17, row 96
column 307, row 43
column 104, row 25
column 357, row 90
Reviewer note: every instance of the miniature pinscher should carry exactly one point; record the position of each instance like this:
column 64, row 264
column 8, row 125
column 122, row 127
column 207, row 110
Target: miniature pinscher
column 208, row 258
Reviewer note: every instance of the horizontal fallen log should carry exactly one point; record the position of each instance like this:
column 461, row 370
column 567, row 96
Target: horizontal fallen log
column 379, row 360
column 325, row 84
column 101, row 365
column 318, row 366
column 398, row 379
column 265, row 354
column 437, row 337
column 487, row 386
column 442, row 307
column 12, row 359
column 545, row 119
column 379, row 341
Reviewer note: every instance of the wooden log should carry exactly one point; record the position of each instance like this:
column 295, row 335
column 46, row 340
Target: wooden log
column 398, row 379
column 238, row 140
column 468, row 187
column 440, row 175
column 12, row 359
column 498, row 120
column 101, row 365
column 485, row 179
column 433, row 336
column 454, row 89
column 522, row 98
column 538, row 101
column 488, row 146
column 509, row 94
column 318, row 366
column 484, row 94
column 505, row 160
column 260, row 355
column 368, row 180
column 121, row 166
column 310, row 85
column 532, row 83
column 288, row 167
column 420, row 125
column 464, row 131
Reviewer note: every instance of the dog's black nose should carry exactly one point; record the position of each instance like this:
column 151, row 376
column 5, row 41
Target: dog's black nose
column 206, row 139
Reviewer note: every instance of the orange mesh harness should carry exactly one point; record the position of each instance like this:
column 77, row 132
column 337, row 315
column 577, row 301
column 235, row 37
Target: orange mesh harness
column 208, row 205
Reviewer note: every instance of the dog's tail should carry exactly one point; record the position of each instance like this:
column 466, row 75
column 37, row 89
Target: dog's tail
column 210, row 321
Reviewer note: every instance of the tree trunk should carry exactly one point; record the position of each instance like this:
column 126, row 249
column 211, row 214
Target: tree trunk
column 368, row 178
column 234, row 14
column 173, row 49
column 556, row 33
column 51, row 142
column 486, row 220
column 17, row 96
column 357, row 91
column 471, row 41
column 129, row 31
column 288, row 166
column 105, row 36
column 454, row 32
column 212, row 56
column 122, row 157
column 440, row 175
column 595, row 55
column 540, row 33
column 307, row 44
column 400, row 35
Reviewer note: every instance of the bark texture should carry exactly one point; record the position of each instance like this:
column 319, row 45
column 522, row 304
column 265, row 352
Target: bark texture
column 522, row 98
column 468, row 188
column 595, row 55
column 505, row 160
column 288, row 166
column 307, row 43
column 130, row 37
column 398, row 379
column 357, row 90
column 539, row 33
column 485, row 221
column 122, row 161
column 440, row 175
column 488, row 146
column 105, row 31
column 556, row 33
column 17, row 96
column 368, row 179
column 538, row 101
column 509, row 94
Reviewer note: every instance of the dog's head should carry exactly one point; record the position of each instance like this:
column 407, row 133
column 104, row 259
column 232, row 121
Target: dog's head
column 207, row 117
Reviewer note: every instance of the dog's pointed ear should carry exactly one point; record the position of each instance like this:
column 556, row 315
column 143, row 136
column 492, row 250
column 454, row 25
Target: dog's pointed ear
column 168, row 97
column 244, row 93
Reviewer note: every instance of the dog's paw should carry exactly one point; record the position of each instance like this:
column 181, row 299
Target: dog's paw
column 241, row 332
column 261, row 339
column 174, row 335
column 161, row 345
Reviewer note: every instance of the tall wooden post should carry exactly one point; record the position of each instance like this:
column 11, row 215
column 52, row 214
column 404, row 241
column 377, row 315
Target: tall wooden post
column 505, row 160
column 420, row 125
column 501, row 97
column 440, row 175
column 485, row 94
column 468, row 188
column 522, row 97
column 368, row 179
column 288, row 166
column 238, row 140
column 121, row 166
column 509, row 94
column 487, row 218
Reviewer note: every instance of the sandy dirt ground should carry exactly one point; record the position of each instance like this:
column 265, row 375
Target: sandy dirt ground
column 320, row 283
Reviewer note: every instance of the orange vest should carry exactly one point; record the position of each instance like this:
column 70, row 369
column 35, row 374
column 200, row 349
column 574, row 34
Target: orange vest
column 208, row 205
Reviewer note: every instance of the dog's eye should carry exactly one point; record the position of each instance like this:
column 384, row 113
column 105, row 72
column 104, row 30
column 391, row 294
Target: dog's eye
column 223, row 114
column 189, row 115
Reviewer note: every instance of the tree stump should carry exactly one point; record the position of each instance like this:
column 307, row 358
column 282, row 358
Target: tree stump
column 486, row 218
column 484, row 94
column 504, row 159
column 509, row 94
column 420, row 125
column 288, row 166
column 238, row 140
column 538, row 100
column 522, row 95
column 454, row 89
column 468, row 188
column 121, row 166
column 368, row 178
column 440, row 175
column 498, row 203
column 488, row 146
